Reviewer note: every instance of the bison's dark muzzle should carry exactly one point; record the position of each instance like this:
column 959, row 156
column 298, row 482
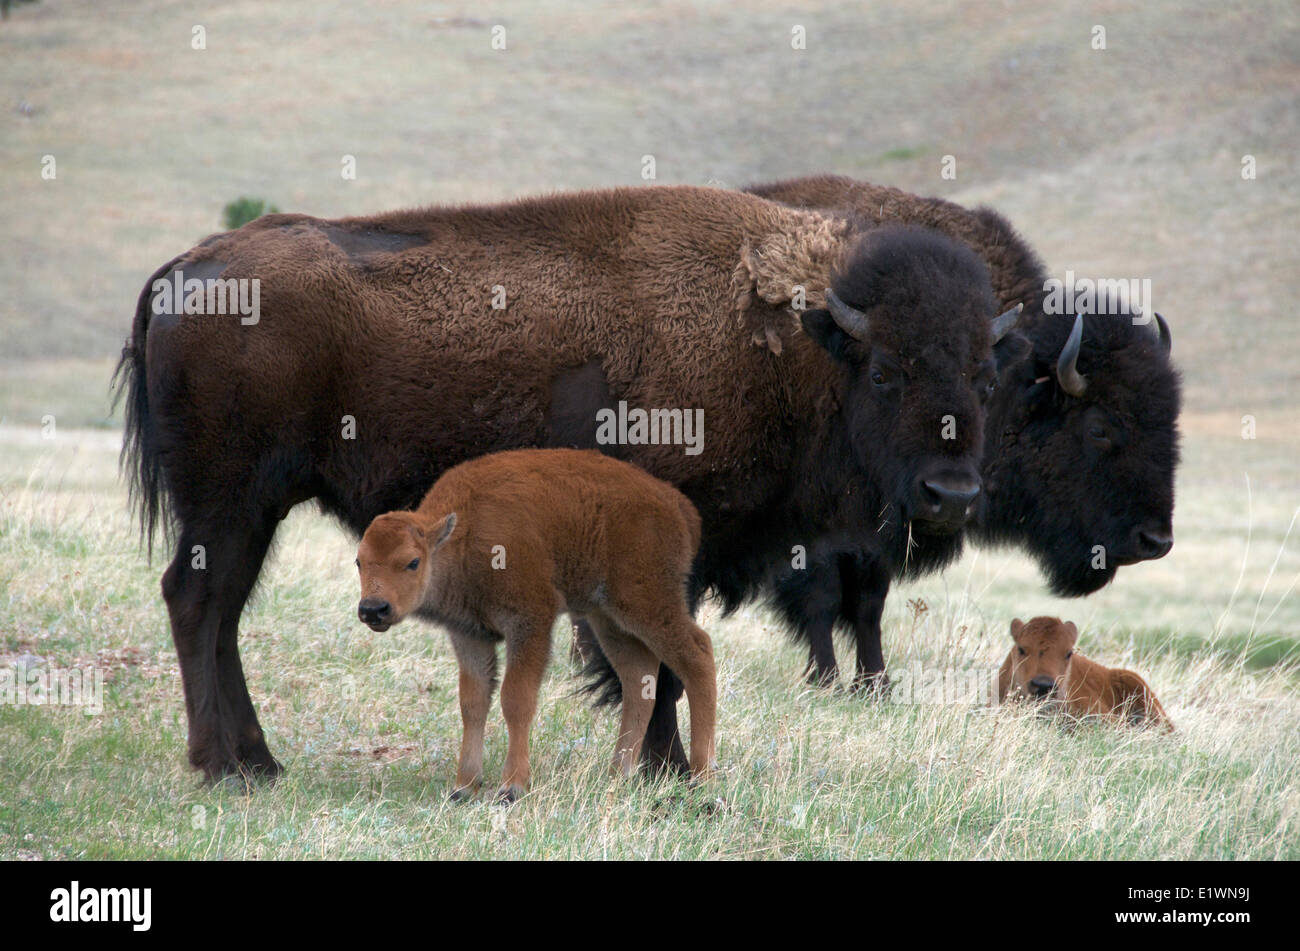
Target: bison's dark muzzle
column 1146, row 543
column 943, row 502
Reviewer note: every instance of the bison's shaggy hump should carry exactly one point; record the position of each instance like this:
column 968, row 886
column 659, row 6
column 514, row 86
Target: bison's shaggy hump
column 1017, row 272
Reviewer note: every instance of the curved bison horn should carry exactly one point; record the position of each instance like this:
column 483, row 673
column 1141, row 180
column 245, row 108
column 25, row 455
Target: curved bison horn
column 852, row 322
column 1163, row 337
column 1003, row 324
column 1067, row 370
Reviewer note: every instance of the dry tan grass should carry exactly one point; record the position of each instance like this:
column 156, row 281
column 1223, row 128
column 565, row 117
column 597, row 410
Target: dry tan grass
column 368, row 724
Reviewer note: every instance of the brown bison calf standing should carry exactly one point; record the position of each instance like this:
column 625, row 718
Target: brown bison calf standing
column 1044, row 666
column 502, row 544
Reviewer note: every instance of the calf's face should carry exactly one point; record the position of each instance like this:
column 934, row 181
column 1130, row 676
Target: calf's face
column 1041, row 656
column 394, row 562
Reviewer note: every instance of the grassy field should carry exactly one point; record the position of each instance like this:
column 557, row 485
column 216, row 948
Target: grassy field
column 1117, row 162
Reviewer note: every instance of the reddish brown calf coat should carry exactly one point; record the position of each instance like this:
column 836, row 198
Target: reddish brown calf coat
column 1043, row 665
column 502, row 544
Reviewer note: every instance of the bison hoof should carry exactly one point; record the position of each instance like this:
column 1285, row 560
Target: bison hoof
column 244, row 777
column 872, row 686
column 824, row 678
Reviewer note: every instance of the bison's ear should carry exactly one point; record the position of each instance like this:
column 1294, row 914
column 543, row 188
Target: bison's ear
column 1010, row 350
column 1016, row 626
column 821, row 327
column 442, row 531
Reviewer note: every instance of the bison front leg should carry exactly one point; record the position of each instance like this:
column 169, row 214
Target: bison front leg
column 822, row 669
column 809, row 600
column 866, row 588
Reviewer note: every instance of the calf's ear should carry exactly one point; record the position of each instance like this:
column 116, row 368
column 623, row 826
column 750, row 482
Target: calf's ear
column 1016, row 626
column 821, row 326
column 442, row 531
column 1072, row 632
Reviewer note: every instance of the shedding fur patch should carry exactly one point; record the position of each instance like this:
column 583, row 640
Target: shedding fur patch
column 802, row 254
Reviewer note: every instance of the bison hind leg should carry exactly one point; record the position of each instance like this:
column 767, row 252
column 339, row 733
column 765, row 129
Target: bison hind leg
column 206, row 586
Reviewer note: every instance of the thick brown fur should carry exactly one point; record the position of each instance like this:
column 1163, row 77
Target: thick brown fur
column 379, row 361
column 502, row 544
column 1044, row 666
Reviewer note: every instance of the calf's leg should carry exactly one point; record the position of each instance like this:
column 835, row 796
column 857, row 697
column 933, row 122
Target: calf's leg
column 635, row 664
column 477, row 659
column 528, row 647
column 682, row 646
column 689, row 651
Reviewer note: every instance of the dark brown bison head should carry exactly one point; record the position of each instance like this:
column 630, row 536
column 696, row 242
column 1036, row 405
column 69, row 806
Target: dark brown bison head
column 394, row 560
column 910, row 318
column 1041, row 657
column 1082, row 447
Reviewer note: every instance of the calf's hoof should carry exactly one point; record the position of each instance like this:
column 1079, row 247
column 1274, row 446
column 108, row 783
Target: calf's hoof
column 463, row 793
column 510, row 793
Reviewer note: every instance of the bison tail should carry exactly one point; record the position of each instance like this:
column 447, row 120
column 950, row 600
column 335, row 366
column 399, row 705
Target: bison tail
column 602, row 686
column 140, row 459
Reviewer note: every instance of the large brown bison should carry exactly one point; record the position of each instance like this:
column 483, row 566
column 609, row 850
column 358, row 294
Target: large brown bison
column 1078, row 462
column 381, row 351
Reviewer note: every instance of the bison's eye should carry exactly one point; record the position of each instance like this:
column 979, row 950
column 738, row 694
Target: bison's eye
column 877, row 377
column 415, row 563
column 1099, row 437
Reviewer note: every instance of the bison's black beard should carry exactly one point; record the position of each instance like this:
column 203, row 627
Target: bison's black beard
column 1069, row 581
column 1063, row 551
column 913, row 556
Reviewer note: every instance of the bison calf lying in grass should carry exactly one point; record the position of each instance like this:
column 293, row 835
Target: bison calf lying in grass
column 502, row 544
column 1045, row 666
